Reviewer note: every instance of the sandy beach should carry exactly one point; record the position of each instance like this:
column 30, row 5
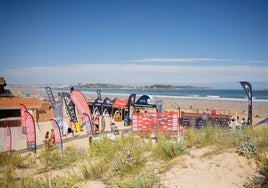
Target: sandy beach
column 226, row 169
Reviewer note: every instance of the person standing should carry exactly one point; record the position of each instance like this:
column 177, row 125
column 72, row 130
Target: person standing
column 103, row 123
column 47, row 140
column 52, row 137
column 70, row 128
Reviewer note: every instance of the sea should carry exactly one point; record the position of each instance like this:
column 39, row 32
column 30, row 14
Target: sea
column 211, row 94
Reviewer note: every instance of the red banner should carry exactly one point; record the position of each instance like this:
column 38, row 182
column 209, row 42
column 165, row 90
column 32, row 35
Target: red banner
column 8, row 139
column 56, row 128
column 157, row 123
column 30, row 131
column 23, row 124
column 80, row 102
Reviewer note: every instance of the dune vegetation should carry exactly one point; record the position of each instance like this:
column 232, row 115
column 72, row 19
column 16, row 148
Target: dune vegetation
column 128, row 161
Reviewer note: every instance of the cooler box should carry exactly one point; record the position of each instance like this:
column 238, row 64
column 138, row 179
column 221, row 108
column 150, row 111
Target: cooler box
column 78, row 127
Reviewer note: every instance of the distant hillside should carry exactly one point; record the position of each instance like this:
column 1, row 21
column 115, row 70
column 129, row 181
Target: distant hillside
column 156, row 86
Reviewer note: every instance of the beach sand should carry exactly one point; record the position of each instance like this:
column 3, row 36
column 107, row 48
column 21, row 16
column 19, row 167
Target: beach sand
column 226, row 169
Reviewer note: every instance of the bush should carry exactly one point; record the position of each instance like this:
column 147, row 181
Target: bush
column 168, row 149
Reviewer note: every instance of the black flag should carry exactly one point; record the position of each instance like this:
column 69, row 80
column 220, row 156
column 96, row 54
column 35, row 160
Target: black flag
column 98, row 94
column 69, row 106
column 50, row 96
column 248, row 89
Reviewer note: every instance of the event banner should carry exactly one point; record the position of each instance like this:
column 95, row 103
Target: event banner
column 80, row 102
column 59, row 114
column 98, row 94
column 157, row 123
column 248, row 89
column 131, row 101
column 88, row 123
column 8, row 139
column 50, row 96
column 69, row 106
column 56, row 128
column 30, row 131
column 23, row 125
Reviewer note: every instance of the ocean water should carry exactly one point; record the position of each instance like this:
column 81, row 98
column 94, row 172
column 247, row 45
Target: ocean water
column 238, row 95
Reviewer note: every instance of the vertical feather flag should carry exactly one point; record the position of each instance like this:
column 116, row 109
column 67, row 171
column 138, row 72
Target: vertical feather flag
column 50, row 96
column 80, row 102
column 30, row 132
column 59, row 112
column 23, row 125
column 69, row 106
column 8, row 139
column 88, row 123
column 56, row 128
column 248, row 89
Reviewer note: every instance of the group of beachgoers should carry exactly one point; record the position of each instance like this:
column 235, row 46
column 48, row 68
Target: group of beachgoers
column 237, row 123
column 98, row 122
column 49, row 138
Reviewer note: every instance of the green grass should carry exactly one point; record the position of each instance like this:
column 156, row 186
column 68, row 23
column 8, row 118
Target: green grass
column 130, row 161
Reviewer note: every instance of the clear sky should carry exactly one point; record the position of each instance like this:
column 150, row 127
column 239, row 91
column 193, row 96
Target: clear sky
column 134, row 42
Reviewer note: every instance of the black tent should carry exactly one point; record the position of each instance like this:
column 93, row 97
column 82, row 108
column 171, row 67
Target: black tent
column 144, row 102
column 107, row 107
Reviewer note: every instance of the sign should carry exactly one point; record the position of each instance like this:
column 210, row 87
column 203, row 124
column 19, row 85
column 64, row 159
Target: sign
column 8, row 139
column 56, row 128
column 30, row 132
column 157, row 123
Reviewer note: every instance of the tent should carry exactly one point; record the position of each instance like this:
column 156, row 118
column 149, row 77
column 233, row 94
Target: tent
column 120, row 104
column 107, row 107
column 144, row 102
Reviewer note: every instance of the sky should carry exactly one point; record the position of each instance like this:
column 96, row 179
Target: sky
column 192, row 42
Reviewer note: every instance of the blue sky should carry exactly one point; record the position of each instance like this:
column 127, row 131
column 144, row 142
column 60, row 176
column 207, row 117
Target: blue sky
column 134, row 42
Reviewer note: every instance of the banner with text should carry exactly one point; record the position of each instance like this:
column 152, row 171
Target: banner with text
column 88, row 123
column 8, row 139
column 30, row 131
column 56, row 128
column 80, row 102
column 69, row 106
column 23, row 125
column 157, row 123
column 248, row 89
column 50, row 96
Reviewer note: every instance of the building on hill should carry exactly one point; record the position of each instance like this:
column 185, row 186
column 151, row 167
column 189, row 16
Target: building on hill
column 2, row 85
column 10, row 107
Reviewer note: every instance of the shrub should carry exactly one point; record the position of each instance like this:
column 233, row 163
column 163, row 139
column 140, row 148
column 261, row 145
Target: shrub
column 168, row 149
column 57, row 159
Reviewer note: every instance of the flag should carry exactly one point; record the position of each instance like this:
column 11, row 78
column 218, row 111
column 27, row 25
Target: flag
column 98, row 94
column 131, row 101
column 248, row 89
column 69, row 106
column 50, row 96
column 80, row 102
column 30, row 131
column 8, row 139
column 56, row 128
column 23, row 125
column 88, row 123
column 262, row 121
